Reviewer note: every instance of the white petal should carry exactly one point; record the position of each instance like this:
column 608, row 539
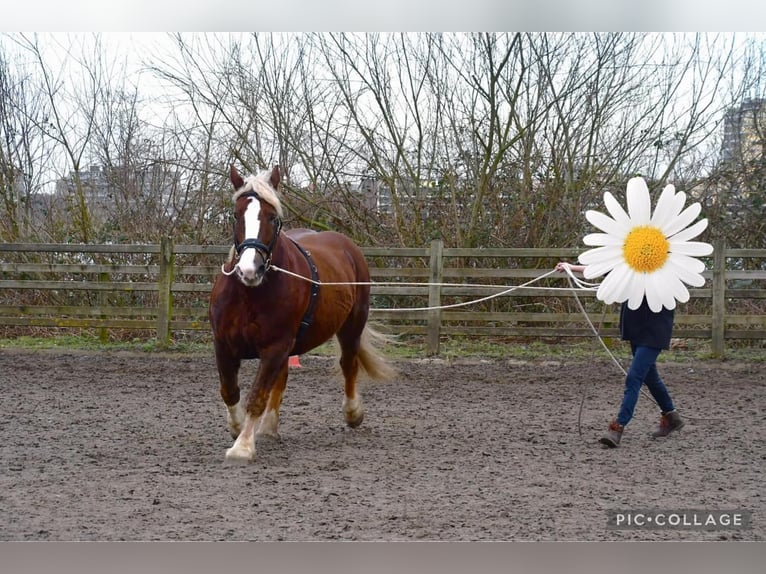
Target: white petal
column 654, row 288
column 690, row 264
column 604, row 266
column 667, row 285
column 597, row 255
column 671, row 304
column 616, row 210
column 613, row 286
column 678, row 205
column 606, row 223
column 679, row 290
column 692, row 278
column 663, row 209
column 684, row 218
column 601, row 239
column 691, row 248
column 636, row 290
column 690, row 232
column 639, row 203
column 603, row 294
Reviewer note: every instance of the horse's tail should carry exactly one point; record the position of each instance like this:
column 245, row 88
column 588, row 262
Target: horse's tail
column 370, row 358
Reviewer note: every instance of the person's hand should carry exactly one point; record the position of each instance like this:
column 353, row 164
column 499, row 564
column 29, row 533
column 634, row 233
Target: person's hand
column 561, row 266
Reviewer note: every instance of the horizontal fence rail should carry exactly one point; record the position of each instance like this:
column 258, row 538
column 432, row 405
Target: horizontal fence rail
column 430, row 291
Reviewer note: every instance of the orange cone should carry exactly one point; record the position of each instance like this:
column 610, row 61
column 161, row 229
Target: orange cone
column 293, row 361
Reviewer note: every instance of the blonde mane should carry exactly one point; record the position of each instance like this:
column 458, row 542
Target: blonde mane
column 261, row 184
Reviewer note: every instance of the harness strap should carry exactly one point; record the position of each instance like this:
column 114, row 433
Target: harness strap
column 308, row 316
column 253, row 243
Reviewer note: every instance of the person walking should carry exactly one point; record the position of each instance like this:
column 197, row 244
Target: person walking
column 649, row 334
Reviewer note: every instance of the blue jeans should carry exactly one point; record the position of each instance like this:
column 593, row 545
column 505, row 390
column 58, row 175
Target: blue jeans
column 643, row 370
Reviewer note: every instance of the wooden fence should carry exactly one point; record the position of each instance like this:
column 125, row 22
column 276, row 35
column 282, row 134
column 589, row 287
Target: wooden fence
column 431, row 292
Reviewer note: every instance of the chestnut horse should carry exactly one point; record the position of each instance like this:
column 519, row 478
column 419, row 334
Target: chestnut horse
column 257, row 311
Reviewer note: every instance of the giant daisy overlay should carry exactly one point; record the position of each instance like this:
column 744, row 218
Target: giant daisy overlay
column 645, row 254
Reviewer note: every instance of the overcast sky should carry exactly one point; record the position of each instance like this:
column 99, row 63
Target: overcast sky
column 135, row 47
column 391, row 15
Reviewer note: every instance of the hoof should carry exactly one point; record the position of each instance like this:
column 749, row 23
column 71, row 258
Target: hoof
column 353, row 410
column 356, row 420
column 274, row 436
column 239, row 456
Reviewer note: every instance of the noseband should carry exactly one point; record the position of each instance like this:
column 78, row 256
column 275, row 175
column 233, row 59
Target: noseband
column 255, row 243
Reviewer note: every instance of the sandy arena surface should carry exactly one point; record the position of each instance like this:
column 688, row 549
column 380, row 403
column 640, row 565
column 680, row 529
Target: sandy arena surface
column 121, row 446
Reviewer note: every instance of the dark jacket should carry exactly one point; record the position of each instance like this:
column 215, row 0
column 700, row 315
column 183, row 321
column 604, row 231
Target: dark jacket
column 645, row 328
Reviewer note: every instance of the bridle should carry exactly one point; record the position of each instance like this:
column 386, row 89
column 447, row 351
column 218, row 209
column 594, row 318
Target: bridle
column 254, row 242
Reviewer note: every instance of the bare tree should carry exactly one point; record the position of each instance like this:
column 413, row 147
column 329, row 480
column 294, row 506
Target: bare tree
column 478, row 139
column 735, row 190
column 22, row 149
column 72, row 91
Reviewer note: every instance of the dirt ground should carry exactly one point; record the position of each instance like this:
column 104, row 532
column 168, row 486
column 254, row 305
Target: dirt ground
column 119, row 446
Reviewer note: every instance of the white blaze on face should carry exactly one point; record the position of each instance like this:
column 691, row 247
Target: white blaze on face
column 252, row 228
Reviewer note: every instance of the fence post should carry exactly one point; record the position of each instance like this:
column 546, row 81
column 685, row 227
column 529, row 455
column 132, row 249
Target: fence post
column 165, row 296
column 719, row 299
column 103, row 303
column 435, row 296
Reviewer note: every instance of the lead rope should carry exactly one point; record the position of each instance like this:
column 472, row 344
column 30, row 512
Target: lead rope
column 572, row 281
column 505, row 291
column 575, row 284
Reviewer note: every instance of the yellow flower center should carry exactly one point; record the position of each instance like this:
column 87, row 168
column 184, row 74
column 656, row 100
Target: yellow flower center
column 645, row 249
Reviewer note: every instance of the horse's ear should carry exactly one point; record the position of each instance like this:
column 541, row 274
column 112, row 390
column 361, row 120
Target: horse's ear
column 236, row 179
column 274, row 179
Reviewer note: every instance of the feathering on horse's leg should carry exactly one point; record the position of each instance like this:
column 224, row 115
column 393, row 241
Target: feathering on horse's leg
column 272, row 373
column 235, row 416
column 269, row 423
column 353, row 409
column 228, row 371
column 243, row 449
column 349, row 340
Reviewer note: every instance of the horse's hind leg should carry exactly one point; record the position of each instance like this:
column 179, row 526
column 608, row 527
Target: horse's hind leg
column 353, row 410
column 269, row 422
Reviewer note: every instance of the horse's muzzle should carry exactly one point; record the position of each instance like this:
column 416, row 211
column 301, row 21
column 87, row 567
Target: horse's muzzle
column 251, row 271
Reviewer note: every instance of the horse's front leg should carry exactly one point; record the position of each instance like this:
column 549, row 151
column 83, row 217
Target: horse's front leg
column 271, row 375
column 228, row 371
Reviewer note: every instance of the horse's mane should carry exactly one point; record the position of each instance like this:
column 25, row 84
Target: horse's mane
column 261, row 184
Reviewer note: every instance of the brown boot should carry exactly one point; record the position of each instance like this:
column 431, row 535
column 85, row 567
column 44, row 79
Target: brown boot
column 613, row 435
column 669, row 422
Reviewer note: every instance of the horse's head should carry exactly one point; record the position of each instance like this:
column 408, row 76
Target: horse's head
column 257, row 223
